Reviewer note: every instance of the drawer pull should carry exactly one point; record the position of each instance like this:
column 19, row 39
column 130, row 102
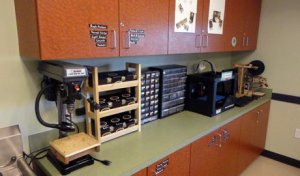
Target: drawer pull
column 126, row 40
column 113, row 42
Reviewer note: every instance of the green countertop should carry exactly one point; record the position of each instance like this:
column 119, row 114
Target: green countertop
column 135, row 151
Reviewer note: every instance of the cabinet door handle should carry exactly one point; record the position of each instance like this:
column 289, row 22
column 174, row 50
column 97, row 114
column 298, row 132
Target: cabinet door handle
column 225, row 135
column 247, row 41
column 158, row 172
column 212, row 141
column 257, row 116
column 206, row 40
column 243, row 41
column 126, row 40
column 220, row 139
column 113, row 41
column 198, row 41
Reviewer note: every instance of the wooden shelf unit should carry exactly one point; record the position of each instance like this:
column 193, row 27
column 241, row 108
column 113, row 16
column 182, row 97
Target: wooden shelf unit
column 97, row 114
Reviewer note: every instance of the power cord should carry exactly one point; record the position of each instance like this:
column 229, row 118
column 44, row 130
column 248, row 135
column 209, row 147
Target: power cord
column 104, row 162
column 35, row 155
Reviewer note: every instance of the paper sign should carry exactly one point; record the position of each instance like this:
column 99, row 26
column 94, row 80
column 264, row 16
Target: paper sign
column 185, row 16
column 216, row 16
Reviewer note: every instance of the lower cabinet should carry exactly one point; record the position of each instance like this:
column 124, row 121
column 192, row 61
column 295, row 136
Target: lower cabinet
column 226, row 151
column 177, row 163
column 253, row 134
column 216, row 153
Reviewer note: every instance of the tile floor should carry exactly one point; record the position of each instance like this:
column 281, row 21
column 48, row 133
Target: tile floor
column 263, row 166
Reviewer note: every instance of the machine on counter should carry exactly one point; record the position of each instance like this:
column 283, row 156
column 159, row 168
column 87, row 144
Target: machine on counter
column 250, row 81
column 62, row 84
column 210, row 93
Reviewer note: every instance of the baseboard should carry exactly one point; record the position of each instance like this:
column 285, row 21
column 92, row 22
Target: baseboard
column 281, row 158
column 286, row 98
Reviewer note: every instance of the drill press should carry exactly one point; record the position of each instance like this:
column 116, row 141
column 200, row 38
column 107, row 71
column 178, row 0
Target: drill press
column 62, row 83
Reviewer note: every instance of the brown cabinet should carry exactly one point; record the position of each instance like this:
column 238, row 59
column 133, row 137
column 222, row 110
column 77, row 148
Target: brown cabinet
column 183, row 42
column 67, row 29
column 242, row 23
column 176, row 164
column 217, row 153
column 251, row 23
column 253, row 134
column 234, row 26
column 110, row 28
column 143, row 27
column 226, row 151
column 211, row 42
column 90, row 29
column 200, row 40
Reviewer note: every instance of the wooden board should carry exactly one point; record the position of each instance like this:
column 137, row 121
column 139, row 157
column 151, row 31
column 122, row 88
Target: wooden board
column 74, row 144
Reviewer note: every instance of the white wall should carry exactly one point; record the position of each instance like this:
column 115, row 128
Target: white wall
column 279, row 48
column 20, row 81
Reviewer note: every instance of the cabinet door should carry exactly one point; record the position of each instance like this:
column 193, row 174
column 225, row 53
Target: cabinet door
column 141, row 173
column 176, row 164
column 247, row 150
column 261, row 127
column 212, row 42
column 184, row 42
column 180, row 162
column 229, row 150
column 234, row 25
column 253, row 134
column 251, row 23
column 78, row 29
column 143, row 27
column 205, row 154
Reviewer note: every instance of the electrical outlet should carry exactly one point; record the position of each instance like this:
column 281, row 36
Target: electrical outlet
column 297, row 133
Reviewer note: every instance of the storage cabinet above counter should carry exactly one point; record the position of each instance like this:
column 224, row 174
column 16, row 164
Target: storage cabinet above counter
column 91, row 29
column 111, row 28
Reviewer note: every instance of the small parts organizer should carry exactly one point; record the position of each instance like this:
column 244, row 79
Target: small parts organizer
column 119, row 113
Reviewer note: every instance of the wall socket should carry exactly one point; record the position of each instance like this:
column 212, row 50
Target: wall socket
column 297, row 133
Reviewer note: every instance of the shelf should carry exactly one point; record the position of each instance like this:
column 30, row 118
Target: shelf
column 115, row 86
column 119, row 133
column 114, row 110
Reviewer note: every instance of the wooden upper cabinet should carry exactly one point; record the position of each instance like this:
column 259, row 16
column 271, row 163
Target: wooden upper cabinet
column 184, row 42
column 251, row 23
column 213, row 40
column 143, row 27
column 69, row 29
column 242, row 24
column 234, row 26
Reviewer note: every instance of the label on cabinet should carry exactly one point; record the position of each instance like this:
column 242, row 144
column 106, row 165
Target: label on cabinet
column 216, row 16
column 98, row 34
column 98, row 26
column 135, row 35
column 185, row 16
